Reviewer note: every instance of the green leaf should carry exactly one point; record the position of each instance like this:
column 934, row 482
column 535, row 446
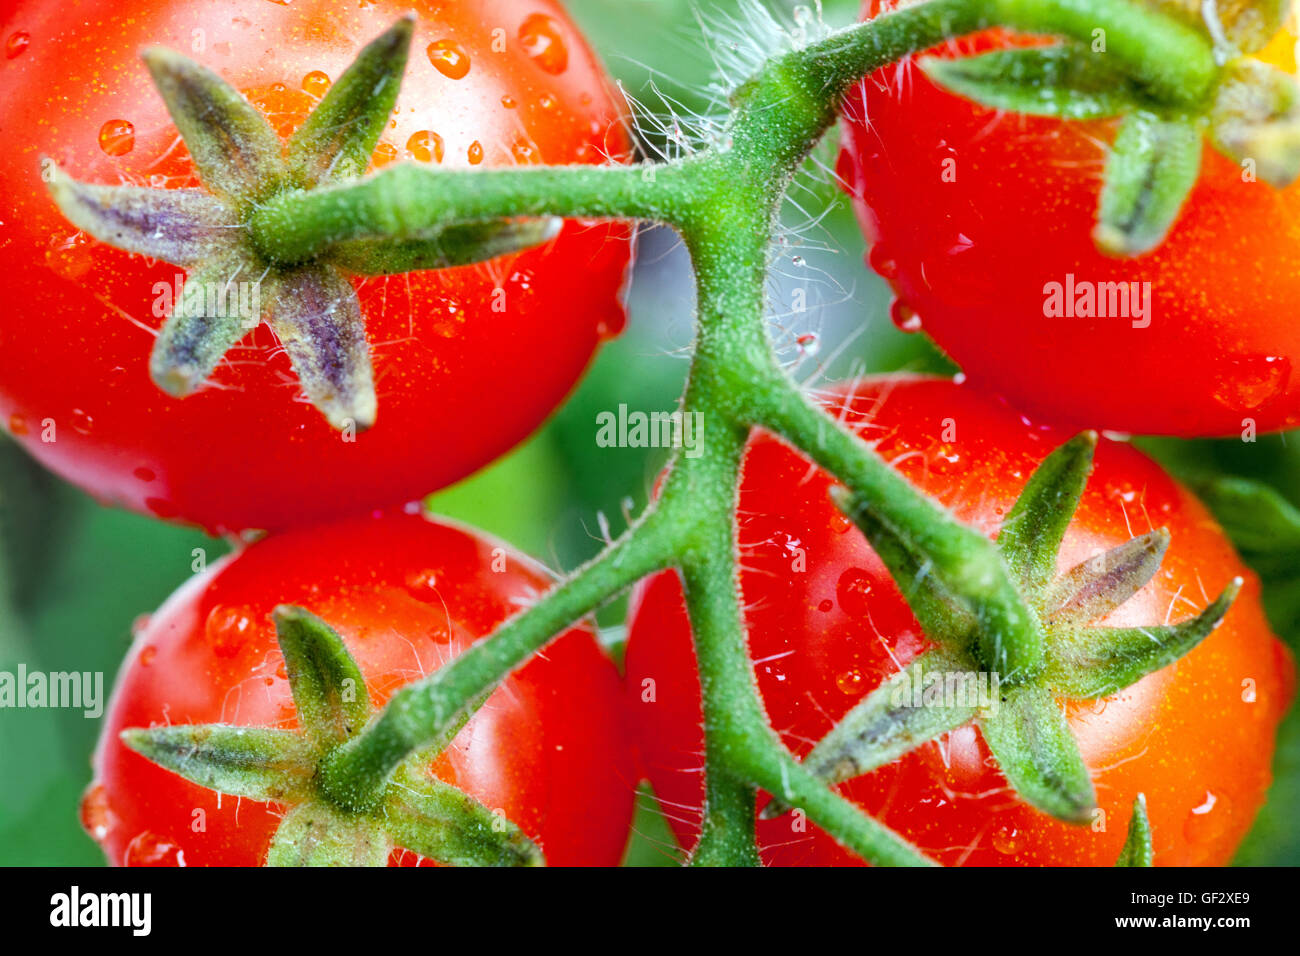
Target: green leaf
column 317, row 317
column 943, row 619
column 328, row 688
column 207, row 321
column 234, row 149
column 457, row 245
column 1094, row 662
column 1031, row 740
column 1152, row 167
column 180, row 226
column 1137, row 849
column 1067, row 80
column 314, row 834
column 252, row 762
column 900, row 715
column 337, row 139
column 444, row 824
column 1095, row 587
column 1256, row 517
column 1033, row 529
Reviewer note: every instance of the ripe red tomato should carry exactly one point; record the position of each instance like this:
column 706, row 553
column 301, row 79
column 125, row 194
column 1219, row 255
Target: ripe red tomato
column 1197, row 737
column 973, row 215
column 406, row 594
column 463, row 371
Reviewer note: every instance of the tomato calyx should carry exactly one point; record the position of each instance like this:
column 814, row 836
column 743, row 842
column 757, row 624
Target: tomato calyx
column 310, row 305
column 1252, row 114
column 415, row 811
column 1021, row 720
column 1138, row 850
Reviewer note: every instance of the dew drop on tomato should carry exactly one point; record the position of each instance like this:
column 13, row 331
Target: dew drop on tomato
column 149, row 849
column 385, row 153
column 850, row 682
column 97, row 817
column 144, row 474
column 853, row 591
column 826, row 606
column 425, row 146
column 17, row 44
column 117, row 137
column 1006, row 839
column 317, row 83
column 449, row 59
column 227, row 629
column 475, row 153
column 17, row 425
column 148, row 655
column 882, row 262
column 904, row 316
column 544, row 43
column 508, row 102
column 1251, row 382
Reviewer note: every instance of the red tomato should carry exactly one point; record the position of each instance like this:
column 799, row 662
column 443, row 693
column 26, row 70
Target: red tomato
column 462, row 371
column 978, row 217
column 406, row 594
column 1197, row 737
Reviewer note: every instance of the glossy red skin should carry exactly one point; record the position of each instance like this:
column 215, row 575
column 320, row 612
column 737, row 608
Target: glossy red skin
column 458, row 384
column 971, row 258
column 548, row 748
column 825, row 638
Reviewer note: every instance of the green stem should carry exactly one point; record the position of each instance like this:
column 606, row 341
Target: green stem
column 422, row 713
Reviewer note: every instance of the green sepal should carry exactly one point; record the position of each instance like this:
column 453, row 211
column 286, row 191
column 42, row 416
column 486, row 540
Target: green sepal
column 1244, row 25
column 329, row 690
column 253, row 762
column 234, row 149
column 336, row 141
column 1094, row 588
column 180, row 226
column 1066, row 80
column 1087, row 663
column 1152, row 167
column 1256, row 119
column 1137, row 849
column 314, row 834
column 1036, row 751
column 316, row 315
column 1257, row 518
column 204, row 324
column 457, row 245
column 943, row 619
column 447, row 825
column 1033, row 529
column 888, row 723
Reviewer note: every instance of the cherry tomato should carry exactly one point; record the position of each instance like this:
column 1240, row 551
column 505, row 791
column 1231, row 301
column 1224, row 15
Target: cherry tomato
column 467, row 361
column 982, row 221
column 826, row 625
column 407, row 594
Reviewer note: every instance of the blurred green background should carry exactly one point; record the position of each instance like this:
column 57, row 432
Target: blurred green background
column 81, row 573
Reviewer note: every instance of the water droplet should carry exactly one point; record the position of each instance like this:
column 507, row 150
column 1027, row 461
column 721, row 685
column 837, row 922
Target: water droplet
column 904, row 316
column 81, row 422
column 70, row 257
column 798, row 260
column 317, row 83
column 17, row 425
column 1006, row 839
column 385, row 153
column 547, row 101
column 850, row 682
column 17, row 44
column 826, row 606
column 449, row 59
column 1210, row 820
column 840, row 522
column 508, row 102
column 97, row 817
column 144, row 474
column 149, row 849
column 228, row 628
column 423, row 584
column 140, row 623
column 853, row 591
column 148, row 655
column 523, row 151
column 945, row 459
column 1252, row 382
column 117, row 137
column 475, row 153
column 543, row 41
column 425, row 146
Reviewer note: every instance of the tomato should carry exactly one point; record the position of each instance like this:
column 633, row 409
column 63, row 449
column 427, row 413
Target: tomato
column 407, row 594
column 982, row 222
column 826, row 625
column 467, row 361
